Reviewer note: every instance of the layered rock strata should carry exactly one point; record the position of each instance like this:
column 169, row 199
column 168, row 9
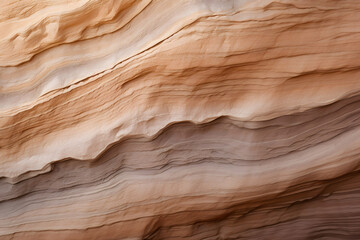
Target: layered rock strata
column 190, row 119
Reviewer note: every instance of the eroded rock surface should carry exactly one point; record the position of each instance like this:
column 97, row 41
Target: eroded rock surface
column 189, row 119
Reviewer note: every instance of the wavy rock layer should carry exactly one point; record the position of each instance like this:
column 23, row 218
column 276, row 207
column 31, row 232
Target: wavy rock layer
column 191, row 119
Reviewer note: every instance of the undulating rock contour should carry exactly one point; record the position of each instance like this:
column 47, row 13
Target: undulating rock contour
column 179, row 119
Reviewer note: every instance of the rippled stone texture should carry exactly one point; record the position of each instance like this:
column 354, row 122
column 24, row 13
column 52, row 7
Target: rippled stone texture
column 189, row 119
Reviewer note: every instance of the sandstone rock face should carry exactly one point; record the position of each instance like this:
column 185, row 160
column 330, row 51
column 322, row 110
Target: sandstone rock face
column 186, row 119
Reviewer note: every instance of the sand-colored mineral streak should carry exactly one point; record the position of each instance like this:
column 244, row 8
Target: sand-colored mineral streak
column 179, row 119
